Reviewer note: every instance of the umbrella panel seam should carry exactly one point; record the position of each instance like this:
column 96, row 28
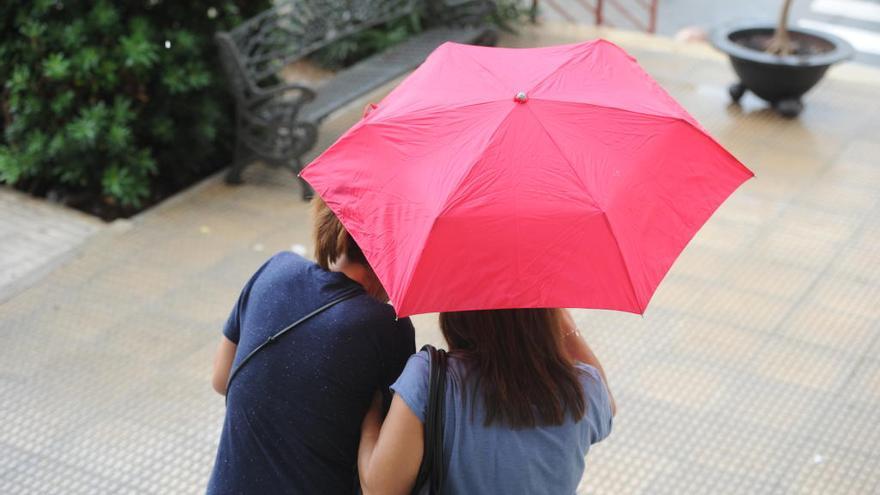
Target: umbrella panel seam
column 486, row 70
column 445, row 203
column 598, row 206
column 608, row 107
column 563, row 65
column 397, row 119
column 567, row 161
column 625, row 265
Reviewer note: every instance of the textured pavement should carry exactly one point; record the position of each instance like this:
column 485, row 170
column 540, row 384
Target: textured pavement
column 35, row 236
column 756, row 368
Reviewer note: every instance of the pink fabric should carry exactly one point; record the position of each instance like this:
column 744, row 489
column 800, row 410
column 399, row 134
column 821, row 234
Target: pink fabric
column 581, row 196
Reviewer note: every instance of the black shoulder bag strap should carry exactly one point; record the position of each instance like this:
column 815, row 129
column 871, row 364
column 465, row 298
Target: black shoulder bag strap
column 431, row 472
column 273, row 338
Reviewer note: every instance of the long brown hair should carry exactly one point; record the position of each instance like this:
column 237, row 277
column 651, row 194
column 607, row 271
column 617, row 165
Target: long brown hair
column 517, row 365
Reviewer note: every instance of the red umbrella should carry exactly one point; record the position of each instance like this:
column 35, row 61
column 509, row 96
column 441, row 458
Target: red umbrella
column 544, row 177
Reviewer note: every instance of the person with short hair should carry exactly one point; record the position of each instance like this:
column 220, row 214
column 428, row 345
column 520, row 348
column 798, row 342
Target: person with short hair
column 525, row 398
column 294, row 411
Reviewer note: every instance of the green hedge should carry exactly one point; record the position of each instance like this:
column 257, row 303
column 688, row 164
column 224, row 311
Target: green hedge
column 507, row 16
column 113, row 104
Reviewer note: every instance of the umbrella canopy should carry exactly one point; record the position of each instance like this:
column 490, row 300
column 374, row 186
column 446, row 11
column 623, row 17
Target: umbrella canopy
column 543, row 177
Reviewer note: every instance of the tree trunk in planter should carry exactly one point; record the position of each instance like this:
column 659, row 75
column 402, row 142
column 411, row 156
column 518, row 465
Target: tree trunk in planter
column 780, row 43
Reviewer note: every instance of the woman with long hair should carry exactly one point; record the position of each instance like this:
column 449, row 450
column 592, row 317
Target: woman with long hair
column 525, row 399
column 294, row 408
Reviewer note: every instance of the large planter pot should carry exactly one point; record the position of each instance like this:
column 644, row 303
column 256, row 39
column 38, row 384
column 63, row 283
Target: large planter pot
column 781, row 80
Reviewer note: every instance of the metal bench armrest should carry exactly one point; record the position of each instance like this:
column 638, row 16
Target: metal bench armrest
column 304, row 94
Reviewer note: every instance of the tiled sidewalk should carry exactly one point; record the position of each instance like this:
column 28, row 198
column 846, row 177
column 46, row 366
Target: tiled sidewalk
column 36, row 236
column 755, row 370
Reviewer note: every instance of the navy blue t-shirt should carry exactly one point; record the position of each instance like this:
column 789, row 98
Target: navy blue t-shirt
column 294, row 411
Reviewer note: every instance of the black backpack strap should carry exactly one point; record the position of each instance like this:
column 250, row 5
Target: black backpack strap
column 431, row 470
column 273, row 338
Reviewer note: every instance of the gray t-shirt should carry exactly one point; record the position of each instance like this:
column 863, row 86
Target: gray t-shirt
column 495, row 459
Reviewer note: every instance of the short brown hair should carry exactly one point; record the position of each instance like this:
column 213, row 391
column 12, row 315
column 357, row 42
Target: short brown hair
column 331, row 239
column 522, row 373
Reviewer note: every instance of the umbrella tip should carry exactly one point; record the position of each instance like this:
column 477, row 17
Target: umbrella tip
column 521, row 97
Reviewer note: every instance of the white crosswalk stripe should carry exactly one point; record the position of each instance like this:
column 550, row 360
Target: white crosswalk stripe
column 853, row 9
column 861, row 39
column 856, row 21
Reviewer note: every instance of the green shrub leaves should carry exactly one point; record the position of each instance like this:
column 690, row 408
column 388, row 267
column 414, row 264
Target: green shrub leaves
column 113, row 101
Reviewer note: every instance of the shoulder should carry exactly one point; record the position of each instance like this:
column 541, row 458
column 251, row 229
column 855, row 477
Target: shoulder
column 381, row 316
column 599, row 413
column 412, row 385
column 592, row 382
column 287, row 270
column 417, row 370
column 420, row 360
column 589, row 373
column 283, row 265
column 288, row 260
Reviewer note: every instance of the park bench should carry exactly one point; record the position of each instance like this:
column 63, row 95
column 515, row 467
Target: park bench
column 278, row 121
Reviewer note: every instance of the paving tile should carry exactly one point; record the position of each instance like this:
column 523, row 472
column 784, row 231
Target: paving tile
column 30, row 475
column 850, row 426
column 835, row 194
column 786, row 361
column 849, row 296
column 726, row 235
column 150, row 459
column 703, row 264
column 685, row 386
column 806, row 237
column 681, row 293
column 605, row 473
column 831, row 328
column 716, row 344
column 35, row 236
column 864, row 389
column 834, row 470
column 773, row 279
column 740, row 307
column 743, row 207
column 858, row 262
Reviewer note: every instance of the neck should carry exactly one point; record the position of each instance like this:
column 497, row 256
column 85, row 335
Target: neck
column 354, row 271
column 362, row 275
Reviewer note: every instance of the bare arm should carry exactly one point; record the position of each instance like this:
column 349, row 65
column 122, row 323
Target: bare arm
column 390, row 453
column 223, row 364
column 578, row 349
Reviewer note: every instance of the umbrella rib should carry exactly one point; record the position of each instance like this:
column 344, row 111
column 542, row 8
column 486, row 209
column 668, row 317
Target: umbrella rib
column 609, row 107
column 559, row 68
column 470, row 169
column 599, row 207
column 487, row 71
column 423, row 112
column 623, row 262
column 567, row 161
column 445, row 205
column 695, row 126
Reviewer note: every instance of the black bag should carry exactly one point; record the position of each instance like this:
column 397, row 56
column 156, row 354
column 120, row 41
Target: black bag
column 431, row 473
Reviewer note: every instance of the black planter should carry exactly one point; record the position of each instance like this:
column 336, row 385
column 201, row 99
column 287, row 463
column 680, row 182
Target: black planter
column 781, row 80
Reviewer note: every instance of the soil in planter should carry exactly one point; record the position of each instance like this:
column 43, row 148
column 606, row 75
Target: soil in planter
column 802, row 44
